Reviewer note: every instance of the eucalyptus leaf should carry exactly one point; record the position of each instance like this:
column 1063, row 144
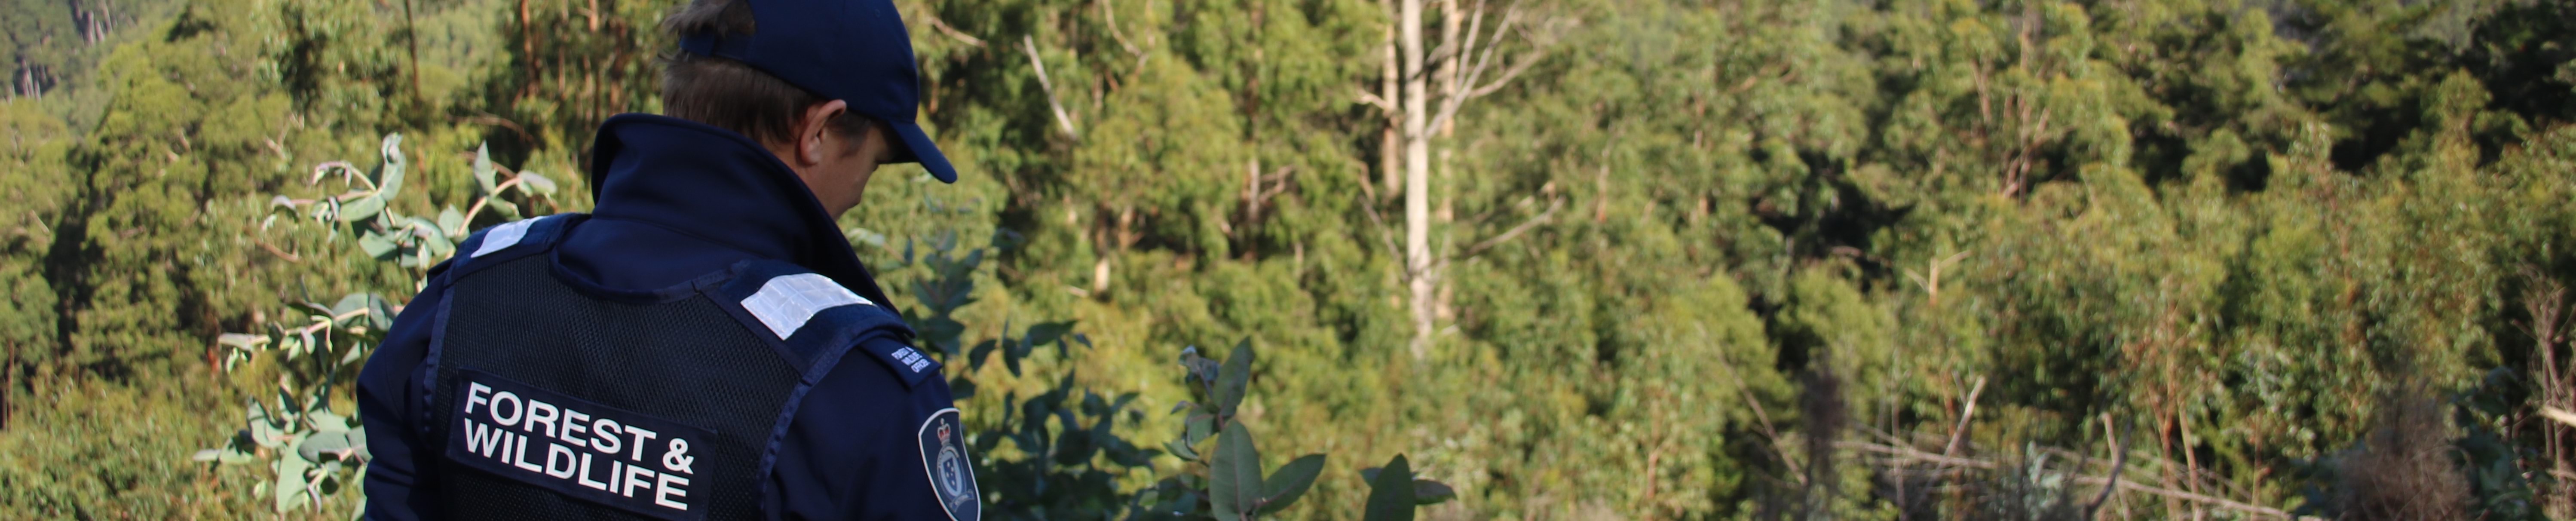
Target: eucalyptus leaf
column 539, row 184
column 267, row 435
column 975, row 357
column 1234, row 379
column 241, row 340
column 1010, row 358
column 1427, row 492
column 288, row 491
column 348, row 303
column 389, row 179
column 322, row 446
column 451, row 222
column 1234, row 477
column 1285, row 485
column 421, row 228
column 355, row 353
column 1047, row 333
column 327, row 421
column 376, row 245
column 1200, row 427
column 483, row 172
column 439, row 248
column 1391, row 492
column 360, row 209
column 380, row 313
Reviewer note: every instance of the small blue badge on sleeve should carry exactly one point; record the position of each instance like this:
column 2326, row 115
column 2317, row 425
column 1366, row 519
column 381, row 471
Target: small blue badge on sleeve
column 952, row 477
column 577, row 448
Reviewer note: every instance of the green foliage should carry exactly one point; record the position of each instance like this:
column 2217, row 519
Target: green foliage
column 1055, row 465
column 1996, row 227
column 315, row 453
column 1226, row 481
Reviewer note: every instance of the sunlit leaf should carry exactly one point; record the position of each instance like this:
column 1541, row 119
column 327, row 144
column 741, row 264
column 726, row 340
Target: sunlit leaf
column 361, row 208
column 242, row 341
column 483, row 172
column 451, row 222
column 537, row 183
column 389, row 179
column 349, row 303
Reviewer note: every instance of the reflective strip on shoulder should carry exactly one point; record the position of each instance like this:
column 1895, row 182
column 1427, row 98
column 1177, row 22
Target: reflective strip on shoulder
column 503, row 236
column 786, row 302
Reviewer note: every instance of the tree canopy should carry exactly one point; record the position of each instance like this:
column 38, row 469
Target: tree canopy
column 1686, row 258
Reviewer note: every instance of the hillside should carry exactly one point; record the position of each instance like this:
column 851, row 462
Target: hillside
column 1635, row 259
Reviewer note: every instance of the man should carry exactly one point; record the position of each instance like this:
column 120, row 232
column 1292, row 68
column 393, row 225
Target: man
column 705, row 345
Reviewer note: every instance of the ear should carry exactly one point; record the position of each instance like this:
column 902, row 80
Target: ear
column 812, row 129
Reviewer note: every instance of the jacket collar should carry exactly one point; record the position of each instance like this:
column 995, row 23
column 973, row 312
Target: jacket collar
column 718, row 186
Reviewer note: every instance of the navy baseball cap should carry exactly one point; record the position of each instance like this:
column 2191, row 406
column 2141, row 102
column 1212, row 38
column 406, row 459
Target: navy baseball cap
column 856, row 51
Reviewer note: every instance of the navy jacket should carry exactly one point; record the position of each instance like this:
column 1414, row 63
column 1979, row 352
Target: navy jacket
column 678, row 200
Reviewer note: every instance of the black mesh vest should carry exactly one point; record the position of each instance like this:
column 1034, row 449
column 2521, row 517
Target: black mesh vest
column 551, row 402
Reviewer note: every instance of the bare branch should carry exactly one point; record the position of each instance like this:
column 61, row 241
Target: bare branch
column 280, row 253
column 1277, row 180
column 1932, row 286
column 1467, row 86
column 1459, row 76
column 1379, row 224
column 1111, row 12
column 1516, row 231
column 1764, row 420
column 1527, row 60
column 1467, row 80
column 2556, row 414
column 1372, row 99
column 1911, row 454
column 952, row 32
column 1966, row 412
column 2119, row 460
column 1030, row 45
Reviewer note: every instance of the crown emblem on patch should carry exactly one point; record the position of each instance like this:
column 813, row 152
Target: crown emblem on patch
column 952, row 476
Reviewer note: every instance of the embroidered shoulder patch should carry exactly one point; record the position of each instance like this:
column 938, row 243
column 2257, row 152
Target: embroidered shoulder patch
column 952, row 477
column 908, row 363
column 576, row 448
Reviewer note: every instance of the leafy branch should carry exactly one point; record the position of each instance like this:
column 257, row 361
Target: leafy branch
column 322, row 353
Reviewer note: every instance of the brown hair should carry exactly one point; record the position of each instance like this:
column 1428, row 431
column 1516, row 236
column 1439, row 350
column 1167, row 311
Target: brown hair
column 730, row 94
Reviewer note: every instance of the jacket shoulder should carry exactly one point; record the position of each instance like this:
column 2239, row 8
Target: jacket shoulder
column 819, row 321
column 510, row 240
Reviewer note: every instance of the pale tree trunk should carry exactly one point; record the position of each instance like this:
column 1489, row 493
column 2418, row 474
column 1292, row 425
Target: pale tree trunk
column 8, row 384
column 1417, row 174
column 1466, row 56
column 1390, row 142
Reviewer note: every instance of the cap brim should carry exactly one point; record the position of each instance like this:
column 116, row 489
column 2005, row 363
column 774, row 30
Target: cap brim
column 917, row 148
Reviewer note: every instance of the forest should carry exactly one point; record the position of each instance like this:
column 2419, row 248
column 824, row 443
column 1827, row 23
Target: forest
column 1570, row 259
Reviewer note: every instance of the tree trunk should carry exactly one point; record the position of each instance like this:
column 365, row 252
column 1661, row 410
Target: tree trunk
column 1391, row 141
column 1417, row 175
column 8, row 384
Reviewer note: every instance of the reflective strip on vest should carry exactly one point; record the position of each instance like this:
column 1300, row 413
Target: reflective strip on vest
column 785, row 303
column 503, row 236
